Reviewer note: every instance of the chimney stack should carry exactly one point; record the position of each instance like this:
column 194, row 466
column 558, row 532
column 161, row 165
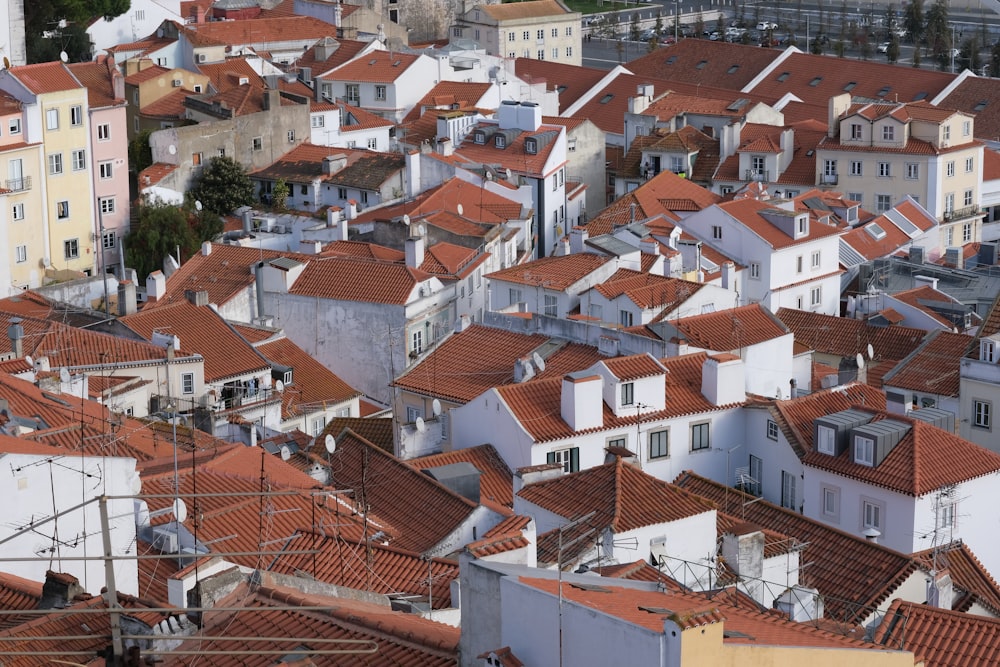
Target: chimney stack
column 126, row 298
column 16, row 334
column 414, row 252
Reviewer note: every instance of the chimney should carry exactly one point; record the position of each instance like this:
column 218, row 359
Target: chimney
column 507, row 114
column 156, row 286
column 272, row 100
column 199, row 14
column 743, row 550
column 445, row 147
column 247, row 218
column 413, row 173
column 529, row 117
column 578, row 240
column 16, row 334
column 581, row 401
column 835, row 109
column 333, row 216
column 916, row 255
column 59, row 590
column 940, row 591
column 117, row 81
column 338, row 15
column 351, row 211
column 723, row 379
column 414, row 247
column 649, row 246
column 729, row 276
column 462, row 323
column 196, row 297
column 643, row 96
column 126, row 298
column 529, row 475
column 42, row 365
column 310, row 247
column 206, row 248
column 872, row 535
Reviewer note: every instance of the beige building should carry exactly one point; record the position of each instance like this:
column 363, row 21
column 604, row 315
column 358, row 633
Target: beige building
column 879, row 152
column 539, row 29
column 156, row 94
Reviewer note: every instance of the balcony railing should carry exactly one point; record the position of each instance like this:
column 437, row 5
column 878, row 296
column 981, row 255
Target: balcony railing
column 757, row 175
column 18, row 184
column 828, row 179
column 960, row 213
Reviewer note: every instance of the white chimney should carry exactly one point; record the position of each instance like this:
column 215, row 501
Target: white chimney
column 206, row 248
column 507, row 114
column 723, row 379
column 743, row 550
column 445, row 146
column 581, row 401
column 728, row 276
column 332, row 216
column 414, row 247
column 940, row 591
column 462, row 323
column 529, row 118
column 413, row 173
column 310, row 247
column 578, row 240
column 156, row 285
column 351, row 210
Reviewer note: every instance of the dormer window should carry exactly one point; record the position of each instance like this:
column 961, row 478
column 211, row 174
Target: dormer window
column 530, row 146
column 500, row 141
column 825, row 440
column 287, row 377
column 888, row 133
column 801, row 226
column 988, row 350
column 864, row 451
column 628, row 393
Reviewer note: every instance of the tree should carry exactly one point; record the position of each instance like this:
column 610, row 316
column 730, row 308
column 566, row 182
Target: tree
column 839, row 48
column 634, row 30
column 699, row 25
column 913, row 20
column 160, row 230
column 140, row 155
column 937, row 33
column 843, row 22
column 73, row 40
column 69, row 18
column 279, row 194
column 995, row 60
column 916, row 56
column 892, row 53
column 816, row 48
column 224, row 186
column 970, row 54
column 658, row 26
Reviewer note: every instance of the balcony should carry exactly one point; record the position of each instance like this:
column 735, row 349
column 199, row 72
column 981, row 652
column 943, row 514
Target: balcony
column 757, row 175
column 18, row 184
column 828, row 179
column 961, row 213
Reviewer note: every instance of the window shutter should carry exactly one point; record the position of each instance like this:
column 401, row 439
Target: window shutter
column 574, row 459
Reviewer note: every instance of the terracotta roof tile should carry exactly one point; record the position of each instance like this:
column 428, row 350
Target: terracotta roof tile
column 374, row 67
column 375, row 430
column 846, row 337
column 257, row 32
column 44, row 78
column 942, row 638
column 659, row 196
column 727, row 330
column 708, row 63
column 313, row 385
column 924, row 297
column 97, row 76
column 17, row 593
column 478, row 205
column 340, row 51
column 557, row 273
column 513, row 156
column 648, row 290
column 977, row 96
column 496, row 482
column 526, row 10
column 155, row 173
column 147, row 74
column 850, row 593
column 449, row 95
column 967, row 573
column 795, row 416
column 348, row 279
column 468, row 363
column 933, row 367
column 570, row 81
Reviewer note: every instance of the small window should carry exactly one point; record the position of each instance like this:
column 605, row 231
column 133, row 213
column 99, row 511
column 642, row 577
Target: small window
column 417, row 341
column 291, row 136
column 831, row 501
column 816, row 296
column 982, row 414
column 825, row 440
column 342, row 193
column 888, row 132
column 716, row 232
column 555, row 32
column 380, row 92
column 700, row 437
column 21, row 254
column 628, row 393
column 857, row 168
column 949, row 169
column 883, row 203
column 787, row 490
column 969, row 164
column 541, row 54
column 815, row 262
column 871, row 515
column 772, row 429
column 103, row 132
column 17, row 212
column 107, row 205
column 912, row 171
column 106, row 169
column 946, row 132
column 109, row 241
column 257, row 144
column 55, row 163
column 317, row 121
column 798, row 264
column 71, row 248
column 967, row 198
column 540, row 34
column 855, row 130
column 76, row 115
column 14, row 126
column 530, row 146
column 52, row 119
column 516, row 296
column 755, row 270
column 659, row 444
column 884, row 169
column 62, row 209
column 864, row 451
column 625, row 318
column 551, row 307
column 569, row 31
column 79, row 160
column 568, row 458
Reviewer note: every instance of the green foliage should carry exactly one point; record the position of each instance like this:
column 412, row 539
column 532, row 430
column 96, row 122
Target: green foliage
column 970, row 54
column 633, row 29
column 73, row 39
column 224, row 186
column 916, row 56
column 160, row 230
column 816, row 47
column 279, row 193
column 913, row 20
column 892, row 53
column 45, row 15
column 658, row 26
column 839, row 48
column 140, row 155
column 937, row 33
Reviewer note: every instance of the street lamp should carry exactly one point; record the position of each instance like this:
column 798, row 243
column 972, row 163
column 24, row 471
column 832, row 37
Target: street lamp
column 677, row 20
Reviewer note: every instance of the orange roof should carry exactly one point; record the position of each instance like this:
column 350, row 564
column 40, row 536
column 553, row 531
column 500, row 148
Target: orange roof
column 349, row 279
column 941, row 637
column 340, row 51
column 967, row 574
column 557, row 273
column 478, row 204
column 922, row 299
column 846, row 337
column 146, row 74
column 313, row 384
column 727, row 330
column 570, row 81
column 470, row 362
column 748, row 213
column 697, row 61
column 525, row 10
column 201, row 330
column 374, row 67
column 648, row 290
column 257, row 31
column 513, row 156
column 449, row 95
column 795, row 416
column 45, row 78
column 18, row 593
column 97, row 76
column 496, row 481
column 508, row 535
column 659, row 196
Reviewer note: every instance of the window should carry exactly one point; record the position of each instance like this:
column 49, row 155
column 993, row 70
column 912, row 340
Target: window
column 373, row 143
column 511, row 36
column 135, row 123
column 342, row 193
column 71, row 248
column 303, row 190
column 949, row 237
column 21, row 254
column 628, row 393
column 716, row 232
column 109, row 241
column 52, row 119
column 815, row 296
column 829, row 167
column 755, row 270
column 864, row 451
column 569, row 31
column 772, row 429
column 103, row 132
column 949, row 168
column 619, row 443
column 967, row 198
column 659, row 444
column 625, row 318
column 858, row 197
column 107, row 171
column 79, row 160
column 318, row 425
column 825, row 443
column 855, row 130
column 884, row 169
column 700, row 437
column 364, row 196
column 798, row 264
column 257, row 143
column 568, row 458
column 551, row 305
column 15, row 126
column 755, row 484
column 291, row 139
column 76, row 115
column 969, row 162
column 317, row 121
column 949, row 202
column 540, row 34
column 525, row 35
column 515, row 295
column 18, row 211
column 187, row 383
column 883, row 203
column 946, row 514
column 62, row 209
column 966, row 232
column 555, row 32
column 831, row 501
column 871, row 515
column 912, row 170
column 222, row 152
column 981, row 414
column 888, row 133
column 379, row 92
column 856, row 169
column 456, row 31
column 946, row 132
column 417, row 341
column 555, row 54
column 815, row 261
column 787, row 490
column 55, row 163
column 541, row 54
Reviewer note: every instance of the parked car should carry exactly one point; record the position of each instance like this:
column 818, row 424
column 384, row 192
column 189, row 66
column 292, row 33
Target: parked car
column 883, row 47
column 595, row 19
column 767, row 25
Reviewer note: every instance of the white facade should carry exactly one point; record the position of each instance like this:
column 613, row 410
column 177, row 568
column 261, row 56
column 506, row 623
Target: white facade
column 43, row 486
column 518, row 297
column 141, row 20
column 979, row 398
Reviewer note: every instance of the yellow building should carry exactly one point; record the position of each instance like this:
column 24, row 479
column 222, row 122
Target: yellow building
column 54, row 112
column 20, row 170
column 539, row 29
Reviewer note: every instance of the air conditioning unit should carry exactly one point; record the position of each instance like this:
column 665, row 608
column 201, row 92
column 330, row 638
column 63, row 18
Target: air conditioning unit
column 202, row 57
column 176, row 83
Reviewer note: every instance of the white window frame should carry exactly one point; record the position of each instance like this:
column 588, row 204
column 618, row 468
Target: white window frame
column 55, row 163
column 565, row 457
column 104, row 132
column 912, row 171
column 826, row 440
column 106, row 170
column 14, row 126
column 76, row 115
column 816, row 295
column 872, row 514
column 628, row 394
column 704, row 438
column 864, row 450
column 755, row 270
column 888, row 132
column 830, row 501
column 107, row 205
column 982, row 414
column 380, row 93
column 550, row 305
column 969, row 164
column 884, row 170
column 772, row 429
column 659, row 444
column 109, row 241
column 62, row 209
column 815, row 260
column 52, row 119
column 788, row 490
column 187, row 383
column 79, row 159
column 857, row 168
column 949, row 168
column 17, row 211
column 21, row 254
column 71, row 248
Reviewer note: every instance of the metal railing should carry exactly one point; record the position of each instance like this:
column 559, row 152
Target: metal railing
column 18, row 184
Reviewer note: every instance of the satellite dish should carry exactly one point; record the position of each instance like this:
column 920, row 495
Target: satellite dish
column 135, row 484
column 279, row 385
column 197, row 204
column 537, row 358
column 63, row 56
column 421, row 230
column 406, row 219
column 180, row 510
column 508, row 173
column 861, row 361
column 489, row 176
column 172, row 149
column 28, row 360
column 330, row 443
column 436, row 407
column 460, row 209
column 141, row 514
column 64, row 375
column 286, row 453
column 420, row 424
column 871, row 351
column 777, row 393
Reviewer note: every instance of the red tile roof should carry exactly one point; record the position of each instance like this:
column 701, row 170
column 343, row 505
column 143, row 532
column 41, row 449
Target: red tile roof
column 967, row 574
column 17, row 593
column 477, row 203
column 795, row 417
column 376, row 430
column 661, row 195
column 496, row 483
column 449, row 95
column 728, row 330
column 155, row 173
column 506, row 536
column 313, row 385
column 572, row 82
column 749, row 212
column 513, row 156
column 932, row 368
column 349, row 279
column 850, row 593
column 621, row 496
column 257, row 31
column 44, row 78
column 718, row 64
column 342, row 51
column 98, row 78
column 557, row 273
column 374, row 67
column 846, row 337
column 468, row 363
column 942, row 638
column 648, row 290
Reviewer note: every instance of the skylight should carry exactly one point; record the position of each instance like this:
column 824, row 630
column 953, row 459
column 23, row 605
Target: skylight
column 784, row 75
column 671, row 60
column 875, row 231
column 980, row 105
column 883, row 91
column 701, row 65
column 816, row 81
column 922, row 95
column 850, row 86
column 607, row 98
column 732, row 69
